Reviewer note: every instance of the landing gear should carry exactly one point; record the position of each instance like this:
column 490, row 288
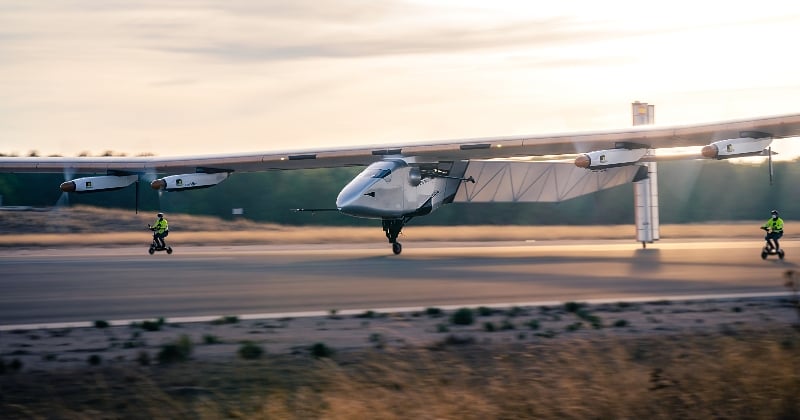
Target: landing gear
column 392, row 228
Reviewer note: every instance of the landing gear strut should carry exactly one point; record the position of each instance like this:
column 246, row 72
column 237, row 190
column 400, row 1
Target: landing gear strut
column 392, row 228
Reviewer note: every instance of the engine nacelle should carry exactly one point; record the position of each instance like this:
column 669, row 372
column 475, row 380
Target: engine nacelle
column 188, row 181
column 98, row 183
column 610, row 158
column 744, row 146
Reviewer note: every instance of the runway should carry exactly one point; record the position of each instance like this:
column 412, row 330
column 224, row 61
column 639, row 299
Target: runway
column 86, row 284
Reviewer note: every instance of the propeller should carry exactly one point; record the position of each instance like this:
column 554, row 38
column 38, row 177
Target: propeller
column 63, row 200
column 147, row 177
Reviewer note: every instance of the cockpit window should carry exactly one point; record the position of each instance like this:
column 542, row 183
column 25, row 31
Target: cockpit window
column 376, row 173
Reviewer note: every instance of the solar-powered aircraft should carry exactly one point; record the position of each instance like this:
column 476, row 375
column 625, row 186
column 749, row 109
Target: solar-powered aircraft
column 404, row 181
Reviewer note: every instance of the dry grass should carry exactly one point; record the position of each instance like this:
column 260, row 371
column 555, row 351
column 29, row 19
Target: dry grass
column 86, row 226
column 746, row 374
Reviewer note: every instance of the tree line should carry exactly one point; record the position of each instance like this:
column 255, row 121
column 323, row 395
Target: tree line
column 689, row 191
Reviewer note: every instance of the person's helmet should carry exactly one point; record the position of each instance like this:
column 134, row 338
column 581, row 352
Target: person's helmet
column 774, row 212
column 160, row 214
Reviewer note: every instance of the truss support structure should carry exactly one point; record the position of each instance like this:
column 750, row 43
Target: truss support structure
column 645, row 196
column 645, row 191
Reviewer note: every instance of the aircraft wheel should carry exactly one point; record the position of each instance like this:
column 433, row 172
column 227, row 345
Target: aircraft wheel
column 169, row 250
column 397, row 248
column 151, row 250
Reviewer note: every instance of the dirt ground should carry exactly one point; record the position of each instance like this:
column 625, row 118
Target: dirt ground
column 662, row 359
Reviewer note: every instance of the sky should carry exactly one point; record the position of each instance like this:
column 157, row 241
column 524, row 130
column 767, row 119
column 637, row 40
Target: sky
column 201, row 76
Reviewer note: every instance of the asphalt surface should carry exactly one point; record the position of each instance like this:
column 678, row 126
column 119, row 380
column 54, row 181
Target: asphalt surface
column 85, row 284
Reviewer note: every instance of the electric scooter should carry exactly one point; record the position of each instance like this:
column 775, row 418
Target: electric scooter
column 769, row 249
column 155, row 246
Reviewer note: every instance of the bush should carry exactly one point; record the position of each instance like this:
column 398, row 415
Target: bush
column 533, row 324
column 572, row 306
column 230, row 319
column 378, row 340
column 148, row 325
column 433, row 312
column 507, row 325
column 95, row 359
column 320, row 350
column 250, row 350
column 101, row 324
column 516, row 311
column 367, row 314
column 463, row 316
column 211, row 339
column 620, row 323
column 485, row 311
column 489, row 327
column 179, row 351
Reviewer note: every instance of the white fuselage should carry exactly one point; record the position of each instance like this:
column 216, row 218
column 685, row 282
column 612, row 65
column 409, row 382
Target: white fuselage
column 391, row 189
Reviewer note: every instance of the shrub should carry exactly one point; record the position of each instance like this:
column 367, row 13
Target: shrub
column 463, row 316
column 574, row 326
column 230, row 319
column 211, row 339
column 454, row 340
column 320, row 350
column 489, row 327
column 442, row 328
column 572, row 306
column 171, row 353
column 516, row 311
column 507, row 325
column 594, row 320
column 101, row 324
column 433, row 312
column 95, row 359
column 533, row 324
column 547, row 334
column 620, row 323
column 148, row 325
column 179, row 351
column 250, row 350
column 485, row 311
column 378, row 339
column 367, row 314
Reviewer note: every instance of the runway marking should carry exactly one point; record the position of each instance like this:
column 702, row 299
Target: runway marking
column 308, row 314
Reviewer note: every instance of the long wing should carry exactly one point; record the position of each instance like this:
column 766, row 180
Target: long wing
column 465, row 149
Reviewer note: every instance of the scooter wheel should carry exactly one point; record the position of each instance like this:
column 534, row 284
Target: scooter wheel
column 780, row 254
column 151, row 250
column 169, row 250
